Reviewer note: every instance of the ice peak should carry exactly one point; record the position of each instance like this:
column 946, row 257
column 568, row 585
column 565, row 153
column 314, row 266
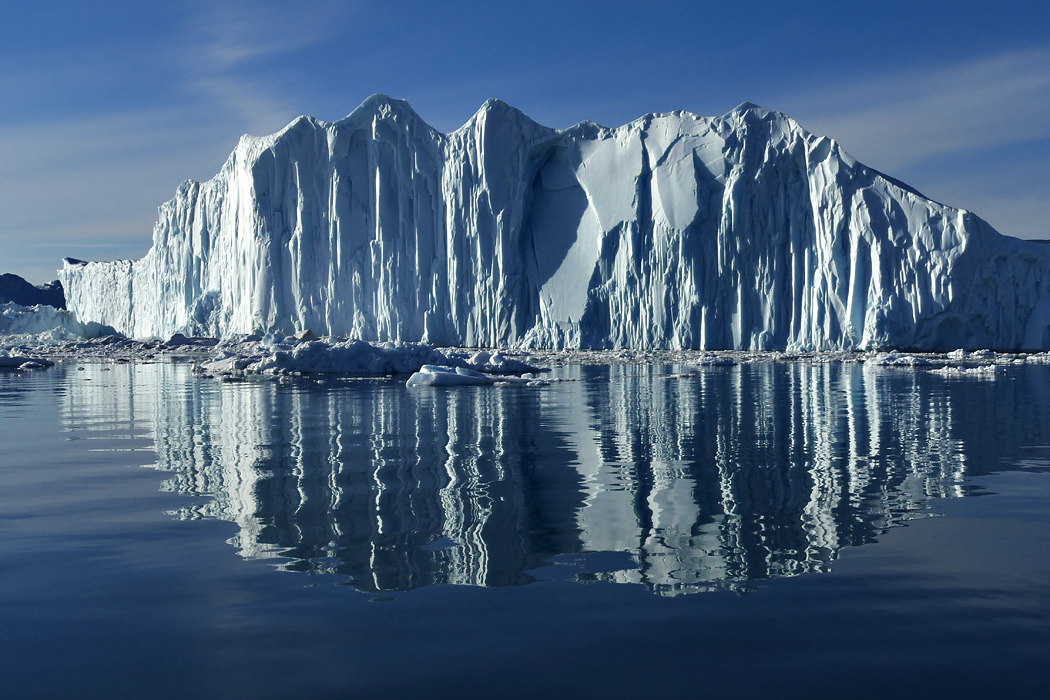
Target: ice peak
column 674, row 231
column 496, row 111
column 495, row 104
column 745, row 106
column 380, row 105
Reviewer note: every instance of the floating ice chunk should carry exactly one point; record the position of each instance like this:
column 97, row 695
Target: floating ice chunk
column 434, row 375
column 981, row 372
column 496, row 363
column 714, row 361
column 21, row 361
column 227, row 364
column 480, row 358
column 351, row 357
column 272, row 340
column 277, row 354
column 893, row 359
column 437, row 375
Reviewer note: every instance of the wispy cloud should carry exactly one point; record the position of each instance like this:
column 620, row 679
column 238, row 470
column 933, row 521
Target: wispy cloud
column 234, row 33
column 94, row 185
column 234, row 50
column 964, row 134
column 89, row 185
column 893, row 121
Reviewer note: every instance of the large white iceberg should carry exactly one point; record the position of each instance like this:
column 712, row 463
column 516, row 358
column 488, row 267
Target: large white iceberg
column 674, row 231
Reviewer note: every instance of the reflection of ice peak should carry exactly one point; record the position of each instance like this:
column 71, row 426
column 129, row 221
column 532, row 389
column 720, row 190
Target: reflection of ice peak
column 706, row 480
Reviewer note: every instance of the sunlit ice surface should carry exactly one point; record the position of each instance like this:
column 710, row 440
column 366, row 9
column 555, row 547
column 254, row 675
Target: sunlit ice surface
column 785, row 529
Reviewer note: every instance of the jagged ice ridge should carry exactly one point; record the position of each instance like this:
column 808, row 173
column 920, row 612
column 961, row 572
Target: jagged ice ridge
column 673, row 231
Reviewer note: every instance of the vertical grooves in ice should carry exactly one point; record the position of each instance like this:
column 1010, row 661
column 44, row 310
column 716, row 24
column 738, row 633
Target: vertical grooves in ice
column 673, row 231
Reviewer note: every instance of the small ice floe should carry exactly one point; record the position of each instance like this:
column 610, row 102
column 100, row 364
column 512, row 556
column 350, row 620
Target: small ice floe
column 436, row 375
column 894, row 359
column 439, row 375
column 1039, row 358
column 496, row 363
column 714, row 361
column 24, row 362
column 981, row 371
column 275, row 354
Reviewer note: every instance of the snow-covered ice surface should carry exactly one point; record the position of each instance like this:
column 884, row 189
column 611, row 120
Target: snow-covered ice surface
column 674, row 231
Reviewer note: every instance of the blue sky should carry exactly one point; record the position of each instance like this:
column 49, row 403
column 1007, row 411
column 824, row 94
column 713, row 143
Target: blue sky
column 106, row 107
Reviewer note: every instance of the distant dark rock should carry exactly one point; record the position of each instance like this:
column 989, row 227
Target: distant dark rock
column 15, row 289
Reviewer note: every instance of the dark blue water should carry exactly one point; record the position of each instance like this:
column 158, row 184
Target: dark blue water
column 774, row 530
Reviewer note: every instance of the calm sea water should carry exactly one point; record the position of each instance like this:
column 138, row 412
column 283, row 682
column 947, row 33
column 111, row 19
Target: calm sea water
column 773, row 530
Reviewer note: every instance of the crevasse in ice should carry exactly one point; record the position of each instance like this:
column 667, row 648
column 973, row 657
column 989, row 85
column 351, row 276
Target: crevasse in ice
column 673, row 231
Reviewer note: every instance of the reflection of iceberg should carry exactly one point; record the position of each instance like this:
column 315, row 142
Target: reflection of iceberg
column 673, row 231
column 759, row 473
column 716, row 478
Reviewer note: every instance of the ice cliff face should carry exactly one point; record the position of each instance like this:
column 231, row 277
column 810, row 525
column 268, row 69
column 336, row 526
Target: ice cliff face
column 673, row 231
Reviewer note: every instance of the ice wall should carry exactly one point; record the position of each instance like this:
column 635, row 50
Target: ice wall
column 673, row 231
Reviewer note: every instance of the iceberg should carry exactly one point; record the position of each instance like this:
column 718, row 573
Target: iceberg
column 46, row 322
column 675, row 231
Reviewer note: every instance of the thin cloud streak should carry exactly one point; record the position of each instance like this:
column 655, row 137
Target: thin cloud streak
column 94, row 183
column 895, row 121
column 232, row 33
column 228, row 42
column 956, row 133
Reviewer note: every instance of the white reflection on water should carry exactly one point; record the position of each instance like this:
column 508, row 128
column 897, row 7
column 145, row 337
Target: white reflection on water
column 707, row 479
